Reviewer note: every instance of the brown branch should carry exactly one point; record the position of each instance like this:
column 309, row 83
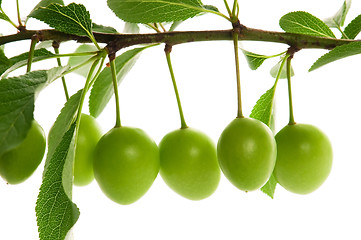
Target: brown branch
column 119, row 41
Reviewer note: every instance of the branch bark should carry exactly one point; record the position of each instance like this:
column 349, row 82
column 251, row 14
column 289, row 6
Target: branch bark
column 118, row 41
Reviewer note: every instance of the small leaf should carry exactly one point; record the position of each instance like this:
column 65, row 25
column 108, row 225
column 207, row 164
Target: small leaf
column 56, row 213
column 275, row 69
column 44, row 3
column 17, row 96
column 131, row 28
column 103, row 29
column 211, row 8
column 76, row 60
column 353, row 28
column 254, row 60
column 102, row 89
column 5, row 63
column 305, row 23
column 270, row 187
column 262, row 111
column 338, row 20
column 337, row 53
column 71, row 19
column 3, row 16
column 155, row 11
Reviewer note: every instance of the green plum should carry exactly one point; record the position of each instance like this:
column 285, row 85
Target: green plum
column 88, row 136
column 188, row 163
column 304, row 158
column 247, row 153
column 126, row 163
column 19, row 163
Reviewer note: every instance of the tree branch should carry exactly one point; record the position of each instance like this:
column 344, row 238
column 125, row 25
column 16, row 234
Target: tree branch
column 118, row 41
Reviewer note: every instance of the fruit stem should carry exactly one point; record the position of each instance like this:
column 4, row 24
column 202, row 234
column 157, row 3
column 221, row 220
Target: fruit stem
column 235, row 43
column 168, row 49
column 34, row 41
column 115, row 86
column 291, row 121
column 56, row 50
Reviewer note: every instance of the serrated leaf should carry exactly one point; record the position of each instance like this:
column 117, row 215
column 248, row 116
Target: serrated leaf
column 103, row 29
column 337, row 53
column 44, row 3
column 353, row 28
column 338, row 20
column 270, row 187
column 154, row 11
column 71, row 19
column 305, row 23
column 262, row 111
column 5, row 63
column 62, row 123
column 102, row 89
column 22, row 59
column 17, row 98
column 56, row 213
column 275, row 69
column 76, row 60
column 254, row 60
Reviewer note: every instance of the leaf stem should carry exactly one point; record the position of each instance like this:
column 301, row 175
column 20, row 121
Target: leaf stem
column 168, row 49
column 34, row 41
column 291, row 121
column 116, row 94
column 18, row 13
column 56, row 49
column 234, row 15
column 342, row 32
column 238, row 74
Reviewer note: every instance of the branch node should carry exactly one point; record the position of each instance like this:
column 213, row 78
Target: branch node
column 168, row 48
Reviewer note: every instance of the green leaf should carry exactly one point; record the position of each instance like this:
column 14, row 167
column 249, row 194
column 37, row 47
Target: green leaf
column 3, row 16
column 17, row 96
column 337, row 53
column 71, row 19
column 76, row 60
column 62, row 124
column 305, row 23
column 44, row 3
column 103, row 29
column 154, row 11
column 102, row 89
column 56, row 213
column 263, row 111
column 5, row 63
column 338, row 20
column 275, row 69
column 22, row 59
column 353, row 28
column 263, row 108
column 211, row 8
column 254, row 60
column 131, row 28
column 270, row 187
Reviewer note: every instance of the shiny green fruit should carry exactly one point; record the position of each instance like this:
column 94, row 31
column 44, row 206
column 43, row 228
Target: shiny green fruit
column 304, row 158
column 126, row 163
column 247, row 153
column 19, row 163
column 88, row 136
column 188, row 163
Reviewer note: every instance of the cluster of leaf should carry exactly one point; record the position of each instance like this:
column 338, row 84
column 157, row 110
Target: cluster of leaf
column 305, row 23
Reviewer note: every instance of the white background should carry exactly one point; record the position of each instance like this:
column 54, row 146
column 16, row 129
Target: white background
column 328, row 98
